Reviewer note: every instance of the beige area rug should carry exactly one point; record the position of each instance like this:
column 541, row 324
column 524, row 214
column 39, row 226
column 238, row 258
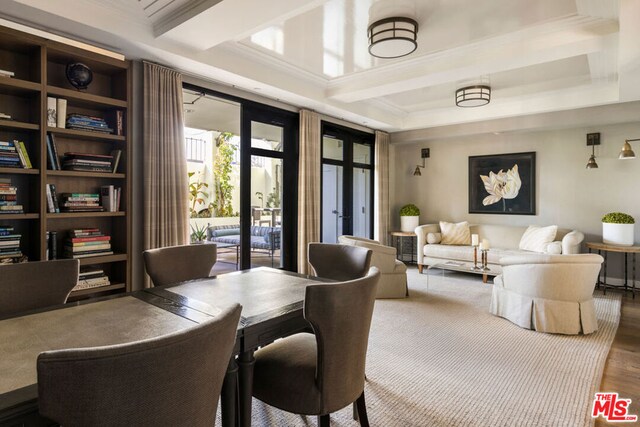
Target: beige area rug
column 440, row 359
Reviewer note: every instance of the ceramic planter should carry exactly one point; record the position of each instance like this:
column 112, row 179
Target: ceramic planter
column 617, row 234
column 409, row 223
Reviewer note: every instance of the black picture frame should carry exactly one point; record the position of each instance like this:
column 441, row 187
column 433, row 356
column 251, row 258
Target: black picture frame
column 520, row 202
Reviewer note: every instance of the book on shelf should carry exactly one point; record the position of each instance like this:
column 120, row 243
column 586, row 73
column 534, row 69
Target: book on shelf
column 87, row 162
column 115, row 119
column 52, row 112
column 5, row 116
column 52, row 245
column 52, row 199
column 10, row 251
column 90, row 277
column 9, row 196
column 13, row 154
column 110, row 198
column 75, row 202
column 88, row 123
column 6, row 73
column 83, row 247
column 61, row 105
column 116, row 154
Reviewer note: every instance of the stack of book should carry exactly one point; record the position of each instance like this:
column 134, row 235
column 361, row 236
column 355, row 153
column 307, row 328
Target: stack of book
column 13, row 154
column 10, row 246
column 87, row 162
column 87, row 242
column 88, row 123
column 91, row 278
column 9, row 198
column 110, row 198
column 79, row 202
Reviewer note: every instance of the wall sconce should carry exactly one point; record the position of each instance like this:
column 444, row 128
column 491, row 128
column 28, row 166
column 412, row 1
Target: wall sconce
column 593, row 139
column 626, row 152
column 424, row 153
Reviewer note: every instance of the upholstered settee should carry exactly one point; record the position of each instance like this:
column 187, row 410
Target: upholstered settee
column 267, row 238
column 504, row 241
column 393, row 273
column 548, row 293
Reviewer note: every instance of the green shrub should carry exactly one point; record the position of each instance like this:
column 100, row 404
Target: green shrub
column 618, row 218
column 409, row 210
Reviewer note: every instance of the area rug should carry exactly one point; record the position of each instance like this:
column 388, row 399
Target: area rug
column 440, row 359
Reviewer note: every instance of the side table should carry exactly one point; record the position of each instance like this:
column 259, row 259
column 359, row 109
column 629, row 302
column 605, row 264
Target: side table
column 626, row 250
column 399, row 240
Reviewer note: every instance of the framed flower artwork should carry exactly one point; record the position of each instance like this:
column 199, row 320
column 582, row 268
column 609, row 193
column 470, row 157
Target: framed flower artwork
column 503, row 184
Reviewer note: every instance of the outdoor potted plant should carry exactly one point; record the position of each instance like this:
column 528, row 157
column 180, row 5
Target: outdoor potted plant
column 409, row 217
column 198, row 234
column 618, row 229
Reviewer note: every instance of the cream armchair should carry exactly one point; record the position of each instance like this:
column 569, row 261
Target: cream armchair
column 548, row 293
column 393, row 273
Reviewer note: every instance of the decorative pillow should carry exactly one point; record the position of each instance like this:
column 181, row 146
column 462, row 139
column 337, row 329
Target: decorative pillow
column 455, row 234
column 225, row 232
column 434, row 238
column 536, row 238
column 553, row 248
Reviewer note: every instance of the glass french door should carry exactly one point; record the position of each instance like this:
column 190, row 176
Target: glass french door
column 269, row 187
column 347, row 183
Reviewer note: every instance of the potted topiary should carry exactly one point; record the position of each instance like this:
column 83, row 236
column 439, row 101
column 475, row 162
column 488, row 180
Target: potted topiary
column 409, row 217
column 618, row 229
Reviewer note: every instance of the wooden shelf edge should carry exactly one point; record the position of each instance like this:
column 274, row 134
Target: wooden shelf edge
column 85, row 134
column 87, row 97
column 103, row 259
column 20, row 171
column 84, row 214
column 80, row 174
column 97, row 289
column 14, row 124
column 20, row 85
column 19, row 216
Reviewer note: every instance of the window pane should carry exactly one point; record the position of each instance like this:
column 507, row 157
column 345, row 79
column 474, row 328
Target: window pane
column 266, row 211
column 332, row 148
column 267, row 137
column 331, row 203
column 362, row 153
column 361, row 202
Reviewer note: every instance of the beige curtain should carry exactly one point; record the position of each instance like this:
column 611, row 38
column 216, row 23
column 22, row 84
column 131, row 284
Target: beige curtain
column 308, row 186
column 166, row 204
column 381, row 192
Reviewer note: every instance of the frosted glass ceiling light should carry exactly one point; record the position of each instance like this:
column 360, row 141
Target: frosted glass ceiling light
column 473, row 96
column 393, row 37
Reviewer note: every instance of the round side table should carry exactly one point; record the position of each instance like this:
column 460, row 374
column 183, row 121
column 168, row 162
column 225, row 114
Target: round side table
column 399, row 237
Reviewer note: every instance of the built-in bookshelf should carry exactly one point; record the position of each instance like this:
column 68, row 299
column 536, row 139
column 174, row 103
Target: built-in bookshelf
column 37, row 69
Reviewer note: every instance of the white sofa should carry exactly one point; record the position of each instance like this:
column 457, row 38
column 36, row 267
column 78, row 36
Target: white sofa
column 504, row 241
column 393, row 273
column 548, row 293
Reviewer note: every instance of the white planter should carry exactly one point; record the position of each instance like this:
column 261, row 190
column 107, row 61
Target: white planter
column 617, row 234
column 409, row 223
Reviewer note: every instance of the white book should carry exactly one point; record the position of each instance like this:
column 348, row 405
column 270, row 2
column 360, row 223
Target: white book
column 61, row 113
column 5, row 116
column 7, row 73
column 52, row 112
column 50, row 204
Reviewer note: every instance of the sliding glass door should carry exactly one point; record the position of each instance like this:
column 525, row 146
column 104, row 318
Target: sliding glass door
column 347, row 183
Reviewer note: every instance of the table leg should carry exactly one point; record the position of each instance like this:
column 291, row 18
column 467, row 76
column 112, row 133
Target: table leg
column 485, row 278
column 633, row 276
column 246, row 361
column 229, row 398
column 626, row 270
column 398, row 246
column 604, row 283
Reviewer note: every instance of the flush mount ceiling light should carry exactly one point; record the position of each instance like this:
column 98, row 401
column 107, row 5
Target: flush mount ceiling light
column 393, row 37
column 473, row 96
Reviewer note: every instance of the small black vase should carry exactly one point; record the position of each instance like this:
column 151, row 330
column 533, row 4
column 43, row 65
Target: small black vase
column 79, row 75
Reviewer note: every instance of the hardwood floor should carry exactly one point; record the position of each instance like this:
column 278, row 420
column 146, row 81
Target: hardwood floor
column 622, row 370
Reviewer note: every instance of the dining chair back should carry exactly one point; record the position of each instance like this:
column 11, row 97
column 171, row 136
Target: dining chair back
column 320, row 373
column 175, row 264
column 169, row 380
column 34, row 285
column 339, row 262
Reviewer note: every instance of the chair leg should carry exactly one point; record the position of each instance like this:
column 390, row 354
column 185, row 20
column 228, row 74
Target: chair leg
column 323, row 421
column 362, row 411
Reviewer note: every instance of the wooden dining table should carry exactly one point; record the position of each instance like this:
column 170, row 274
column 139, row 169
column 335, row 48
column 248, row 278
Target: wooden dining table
column 272, row 303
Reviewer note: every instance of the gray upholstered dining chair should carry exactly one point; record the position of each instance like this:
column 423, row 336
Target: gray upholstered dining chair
column 175, row 264
column 339, row 262
column 320, row 373
column 171, row 380
column 33, row 285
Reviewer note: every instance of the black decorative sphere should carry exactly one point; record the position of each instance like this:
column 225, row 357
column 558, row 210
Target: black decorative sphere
column 79, row 75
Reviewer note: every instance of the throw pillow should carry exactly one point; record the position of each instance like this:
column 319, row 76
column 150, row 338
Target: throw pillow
column 434, row 238
column 536, row 238
column 455, row 234
column 553, row 248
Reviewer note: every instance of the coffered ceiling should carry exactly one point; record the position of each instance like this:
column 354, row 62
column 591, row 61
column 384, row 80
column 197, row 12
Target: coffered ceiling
column 539, row 56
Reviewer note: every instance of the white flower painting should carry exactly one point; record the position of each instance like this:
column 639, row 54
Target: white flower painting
column 501, row 186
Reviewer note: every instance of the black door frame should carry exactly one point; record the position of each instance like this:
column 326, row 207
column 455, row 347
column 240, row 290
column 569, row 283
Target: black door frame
column 255, row 111
column 349, row 136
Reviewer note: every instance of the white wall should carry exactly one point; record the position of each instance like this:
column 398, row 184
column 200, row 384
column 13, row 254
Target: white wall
column 568, row 194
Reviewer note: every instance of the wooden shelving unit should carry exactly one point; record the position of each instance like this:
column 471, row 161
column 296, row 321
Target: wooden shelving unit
column 39, row 66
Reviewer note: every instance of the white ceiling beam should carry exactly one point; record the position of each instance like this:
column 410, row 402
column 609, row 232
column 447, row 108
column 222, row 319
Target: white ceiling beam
column 559, row 100
column 628, row 58
column 547, row 42
column 220, row 21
